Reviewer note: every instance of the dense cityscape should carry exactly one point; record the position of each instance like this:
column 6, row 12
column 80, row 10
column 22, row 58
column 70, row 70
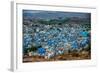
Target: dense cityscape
column 54, row 36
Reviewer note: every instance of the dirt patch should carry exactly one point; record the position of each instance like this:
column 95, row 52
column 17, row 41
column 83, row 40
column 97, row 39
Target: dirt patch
column 68, row 56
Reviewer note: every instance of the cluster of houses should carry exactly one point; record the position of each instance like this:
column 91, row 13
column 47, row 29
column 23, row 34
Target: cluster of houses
column 56, row 39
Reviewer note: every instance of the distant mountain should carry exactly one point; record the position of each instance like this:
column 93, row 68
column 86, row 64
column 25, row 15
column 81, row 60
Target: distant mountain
column 53, row 14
